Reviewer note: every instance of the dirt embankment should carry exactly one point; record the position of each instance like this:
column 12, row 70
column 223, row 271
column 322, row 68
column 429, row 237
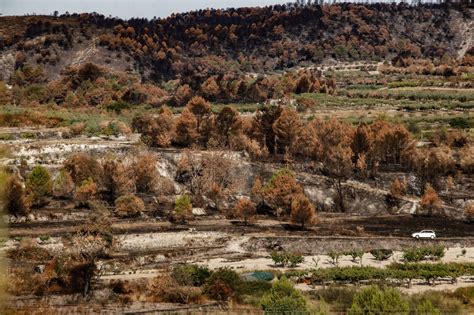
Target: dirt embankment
column 321, row 245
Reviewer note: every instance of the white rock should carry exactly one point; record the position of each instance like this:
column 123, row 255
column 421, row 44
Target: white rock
column 199, row 211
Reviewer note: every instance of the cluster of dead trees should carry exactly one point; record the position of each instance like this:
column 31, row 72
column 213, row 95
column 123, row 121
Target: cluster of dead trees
column 215, row 42
column 282, row 33
column 91, row 85
column 87, row 181
column 241, row 88
column 331, row 147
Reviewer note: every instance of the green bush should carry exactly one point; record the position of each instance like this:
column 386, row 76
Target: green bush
column 399, row 84
column 182, row 208
column 295, row 259
column 255, row 288
column 374, row 300
column 407, row 271
column 348, row 274
column 334, row 257
column 118, row 106
column 355, row 254
column 283, row 298
column 460, row 123
column 286, row 259
column 38, row 185
column 421, row 253
column 339, row 297
column 381, row 254
column 427, row 308
column 223, row 284
column 190, row 274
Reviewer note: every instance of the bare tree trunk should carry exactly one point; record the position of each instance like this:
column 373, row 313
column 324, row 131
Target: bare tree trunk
column 340, row 195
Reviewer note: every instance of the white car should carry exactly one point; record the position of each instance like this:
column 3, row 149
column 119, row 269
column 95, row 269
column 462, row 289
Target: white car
column 424, row 234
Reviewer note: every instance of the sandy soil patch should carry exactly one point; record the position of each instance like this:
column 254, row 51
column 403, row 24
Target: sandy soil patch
column 149, row 241
column 324, row 261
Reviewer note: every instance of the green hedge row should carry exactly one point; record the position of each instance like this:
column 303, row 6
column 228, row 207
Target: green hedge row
column 409, row 271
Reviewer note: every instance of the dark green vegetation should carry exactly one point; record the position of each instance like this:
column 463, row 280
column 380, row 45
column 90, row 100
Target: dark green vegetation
column 395, row 272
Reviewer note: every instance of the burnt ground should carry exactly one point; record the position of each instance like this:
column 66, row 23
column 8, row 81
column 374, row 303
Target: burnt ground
column 329, row 225
column 405, row 225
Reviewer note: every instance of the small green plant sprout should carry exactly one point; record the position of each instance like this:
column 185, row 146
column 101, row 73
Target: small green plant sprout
column 38, row 185
column 316, row 261
column 356, row 255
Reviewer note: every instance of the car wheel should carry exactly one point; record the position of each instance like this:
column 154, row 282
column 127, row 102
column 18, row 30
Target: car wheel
column 432, row 237
column 417, row 237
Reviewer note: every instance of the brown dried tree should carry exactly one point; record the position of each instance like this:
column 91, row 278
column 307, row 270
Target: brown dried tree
column 145, row 173
column 286, row 129
column 281, row 189
column 186, row 126
column 430, row 202
column 245, row 209
column 14, row 197
column 302, row 211
column 336, row 154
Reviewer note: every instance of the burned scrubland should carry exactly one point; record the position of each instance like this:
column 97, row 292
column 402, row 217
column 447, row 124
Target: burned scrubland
column 182, row 164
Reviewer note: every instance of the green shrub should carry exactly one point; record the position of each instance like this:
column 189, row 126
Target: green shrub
column 283, row 298
column 278, row 258
column 223, row 284
column 255, row 288
column 446, row 301
column 460, row 123
column 406, row 271
column 190, row 274
column 334, row 257
column 339, row 297
column 182, row 209
column 63, row 185
column 286, row 259
column 118, row 106
column 355, row 254
column 427, row 308
column 374, row 300
column 425, row 252
column 6, row 136
column 295, row 259
column 27, row 135
column 38, row 185
column 381, row 254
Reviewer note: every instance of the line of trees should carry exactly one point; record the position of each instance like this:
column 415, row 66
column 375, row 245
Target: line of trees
column 331, row 147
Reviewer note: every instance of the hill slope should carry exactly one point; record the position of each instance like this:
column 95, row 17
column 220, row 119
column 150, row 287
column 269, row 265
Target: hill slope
column 216, row 42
